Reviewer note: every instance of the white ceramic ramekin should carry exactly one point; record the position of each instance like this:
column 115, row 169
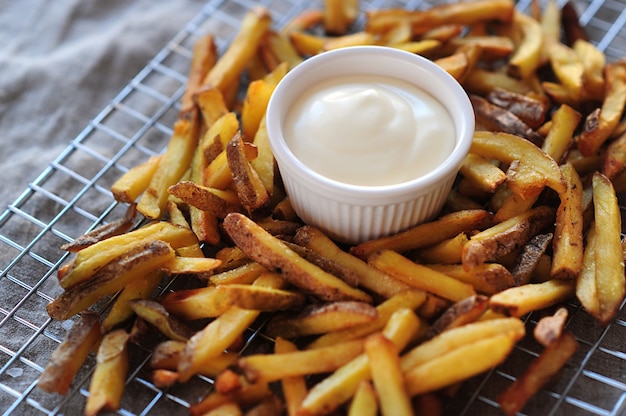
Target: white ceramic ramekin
column 351, row 213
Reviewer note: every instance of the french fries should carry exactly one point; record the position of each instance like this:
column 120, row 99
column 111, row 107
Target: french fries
column 384, row 325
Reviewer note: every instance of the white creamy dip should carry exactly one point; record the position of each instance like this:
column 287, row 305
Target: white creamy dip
column 369, row 130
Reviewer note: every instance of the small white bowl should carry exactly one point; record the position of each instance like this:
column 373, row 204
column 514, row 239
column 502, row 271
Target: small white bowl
column 353, row 213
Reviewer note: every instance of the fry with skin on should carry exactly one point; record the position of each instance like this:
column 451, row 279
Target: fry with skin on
column 550, row 328
column 567, row 258
column 155, row 314
column 501, row 239
column 268, row 251
column 108, row 379
column 203, row 58
column 70, row 354
column 249, row 186
column 486, row 278
column 426, row 234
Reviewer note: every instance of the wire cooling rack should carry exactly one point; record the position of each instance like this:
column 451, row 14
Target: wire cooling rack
column 72, row 196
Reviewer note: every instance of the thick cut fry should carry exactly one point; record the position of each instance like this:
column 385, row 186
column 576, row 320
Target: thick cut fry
column 319, row 319
column 597, row 130
column 568, row 68
column 70, row 354
column 421, row 21
column 192, row 265
column 250, row 188
column 420, row 276
column 409, row 299
column 427, row 234
column 135, row 181
column 527, row 56
column 212, row 105
column 219, row 334
column 508, row 148
column 154, row 313
column 108, row 379
column 567, row 258
column 368, row 276
column 498, row 119
column 202, row 60
column 102, row 232
column 486, row 278
column 593, row 61
column 530, row 255
column 461, row 313
column 294, row 388
column 459, row 364
column 256, row 99
column 338, row 387
column 446, row 252
column 258, row 298
column 364, row 402
column 276, row 256
column 586, row 288
column 89, row 260
column 541, row 371
column 481, row 172
column 133, row 266
column 216, row 201
column 501, row 239
column 387, row 376
column 121, row 310
column 520, row 300
column 609, row 259
column 559, row 138
column 173, row 165
column 530, row 110
column 231, row 64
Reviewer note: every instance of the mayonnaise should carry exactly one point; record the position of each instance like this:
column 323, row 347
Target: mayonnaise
column 369, row 130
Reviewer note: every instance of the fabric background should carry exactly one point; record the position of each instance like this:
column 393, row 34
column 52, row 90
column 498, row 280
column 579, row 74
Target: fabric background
column 61, row 62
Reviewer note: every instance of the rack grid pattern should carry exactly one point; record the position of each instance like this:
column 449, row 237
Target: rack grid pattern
column 72, row 195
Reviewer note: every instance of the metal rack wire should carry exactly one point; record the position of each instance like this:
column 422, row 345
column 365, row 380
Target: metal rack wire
column 72, row 195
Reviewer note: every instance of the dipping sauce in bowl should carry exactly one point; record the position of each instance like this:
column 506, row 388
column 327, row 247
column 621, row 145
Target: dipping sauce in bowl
column 368, row 139
column 369, row 130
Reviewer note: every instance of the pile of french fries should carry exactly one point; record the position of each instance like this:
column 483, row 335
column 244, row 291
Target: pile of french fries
column 392, row 325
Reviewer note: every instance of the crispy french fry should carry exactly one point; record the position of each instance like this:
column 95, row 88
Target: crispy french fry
column 319, row 319
column 527, row 56
column 276, row 256
column 294, row 388
column 135, row 181
column 202, row 60
column 107, row 381
column 486, row 278
column 384, row 362
column 155, row 314
column 173, row 165
column 70, row 354
column 598, row 127
column 132, row 266
column 481, row 172
column 530, row 110
column 609, row 259
column 528, row 258
column 460, row 313
column 232, row 63
column 520, row 300
column 501, row 239
column 420, row 276
column 426, row 234
column 364, row 402
column 216, row 201
column 560, row 136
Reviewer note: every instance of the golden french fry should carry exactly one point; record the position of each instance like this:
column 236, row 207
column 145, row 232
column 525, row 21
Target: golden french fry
column 368, row 276
column 276, row 256
column 486, row 278
column 593, row 61
column 527, row 56
column 155, row 314
column 560, row 136
column 420, row 276
column 337, row 388
column 364, row 401
column 520, row 300
column 384, row 363
column 481, row 172
column 319, row 319
column 600, row 125
column 216, row 201
column 568, row 68
column 586, row 287
column 258, row 298
column 173, row 165
column 212, row 104
column 460, row 313
column 108, row 379
column 70, row 354
column 609, row 259
column 614, row 159
column 568, row 234
column 203, row 58
column 426, row 234
column 294, row 388
column 135, row 181
column 231, row 64
column 132, row 266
